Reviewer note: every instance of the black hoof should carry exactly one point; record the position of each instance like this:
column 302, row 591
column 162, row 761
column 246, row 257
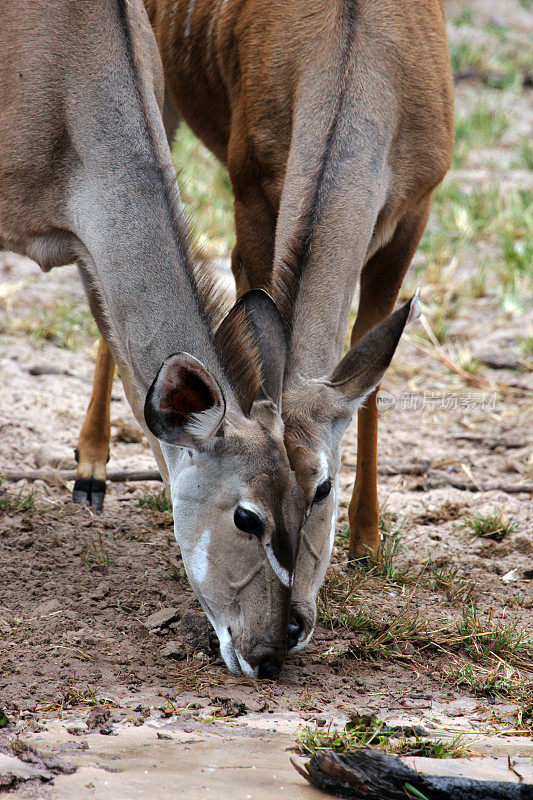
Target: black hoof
column 89, row 492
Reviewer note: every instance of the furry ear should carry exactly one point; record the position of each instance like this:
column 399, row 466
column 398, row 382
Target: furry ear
column 185, row 405
column 363, row 367
column 265, row 320
column 257, row 317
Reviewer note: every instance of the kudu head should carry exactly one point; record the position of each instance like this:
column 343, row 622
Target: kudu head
column 237, row 505
column 316, row 415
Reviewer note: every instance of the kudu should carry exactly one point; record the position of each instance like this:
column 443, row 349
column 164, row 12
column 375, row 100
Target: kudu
column 86, row 176
column 335, row 121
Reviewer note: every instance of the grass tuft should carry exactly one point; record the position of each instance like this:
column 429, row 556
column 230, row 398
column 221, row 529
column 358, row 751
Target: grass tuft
column 490, row 639
column 502, row 680
column 335, row 604
column 15, row 503
column 383, row 563
column 432, row 748
column 94, row 553
column 495, row 525
column 448, row 580
column 156, row 501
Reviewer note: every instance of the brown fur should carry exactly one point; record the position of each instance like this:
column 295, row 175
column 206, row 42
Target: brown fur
column 335, row 120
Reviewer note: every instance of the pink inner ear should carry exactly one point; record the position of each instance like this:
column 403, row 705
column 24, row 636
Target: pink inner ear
column 185, row 392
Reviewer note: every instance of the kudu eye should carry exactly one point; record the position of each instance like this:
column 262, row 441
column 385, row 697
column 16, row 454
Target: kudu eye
column 248, row 521
column 322, row 491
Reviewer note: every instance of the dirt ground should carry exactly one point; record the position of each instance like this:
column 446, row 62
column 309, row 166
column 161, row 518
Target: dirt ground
column 78, row 588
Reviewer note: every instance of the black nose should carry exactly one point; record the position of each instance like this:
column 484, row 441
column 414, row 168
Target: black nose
column 269, row 667
column 294, row 629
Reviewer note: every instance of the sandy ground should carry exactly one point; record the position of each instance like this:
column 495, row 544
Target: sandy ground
column 78, row 587
column 79, row 659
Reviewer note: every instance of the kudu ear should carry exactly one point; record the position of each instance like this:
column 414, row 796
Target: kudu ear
column 265, row 324
column 185, row 405
column 363, row 367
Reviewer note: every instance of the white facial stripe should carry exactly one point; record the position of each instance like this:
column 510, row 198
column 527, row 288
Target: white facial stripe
column 227, row 651
column 249, row 671
column 324, row 474
column 334, row 515
column 303, row 643
column 281, row 572
column 198, row 564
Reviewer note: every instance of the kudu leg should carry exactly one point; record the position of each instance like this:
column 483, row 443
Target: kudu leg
column 381, row 280
column 255, row 221
column 93, row 444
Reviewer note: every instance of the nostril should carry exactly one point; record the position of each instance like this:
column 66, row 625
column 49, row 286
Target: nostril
column 294, row 629
column 268, row 667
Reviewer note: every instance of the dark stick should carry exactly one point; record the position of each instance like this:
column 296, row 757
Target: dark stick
column 116, row 476
column 371, row 775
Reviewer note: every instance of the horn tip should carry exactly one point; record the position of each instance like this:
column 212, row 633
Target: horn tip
column 415, row 309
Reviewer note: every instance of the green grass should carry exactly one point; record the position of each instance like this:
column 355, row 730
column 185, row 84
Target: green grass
column 526, row 345
column 389, row 640
column 478, row 282
column 432, row 748
column 483, row 127
column 464, row 17
column 448, row 580
column 174, row 571
column 364, row 731
column 487, row 226
column 500, row 62
column 67, row 324
column 483, row 640
column 206, row 194
column 495, row 525
column 155, row 501
column 524, row 156
column 15, row 503
column 383, row 564
column 501, row 680
column 335, row 604
column 94, row 553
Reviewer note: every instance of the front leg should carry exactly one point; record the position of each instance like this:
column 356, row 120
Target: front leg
column 255, row 210
column 92, row 451
column 381, row 280
column 255, row 229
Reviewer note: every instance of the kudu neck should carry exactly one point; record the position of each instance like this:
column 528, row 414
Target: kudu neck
column 124, row 202
column 335, row 186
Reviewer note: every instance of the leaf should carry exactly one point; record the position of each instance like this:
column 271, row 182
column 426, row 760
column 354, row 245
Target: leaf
column 414, row 792
column 4, row 720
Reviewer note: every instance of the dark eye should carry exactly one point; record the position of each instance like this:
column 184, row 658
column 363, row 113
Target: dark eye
column 248, row 521
column 322, row 491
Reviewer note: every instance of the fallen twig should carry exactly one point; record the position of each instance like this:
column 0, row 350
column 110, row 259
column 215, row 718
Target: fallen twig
column 413, row 468
column 490, row 441
column 440, row 354
column 437, row 478
column 64, row 475
column 488, row 76
column 416, row 468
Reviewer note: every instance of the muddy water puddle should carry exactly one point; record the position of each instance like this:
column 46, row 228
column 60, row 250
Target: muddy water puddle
column 245, row 764
column 159, row 760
